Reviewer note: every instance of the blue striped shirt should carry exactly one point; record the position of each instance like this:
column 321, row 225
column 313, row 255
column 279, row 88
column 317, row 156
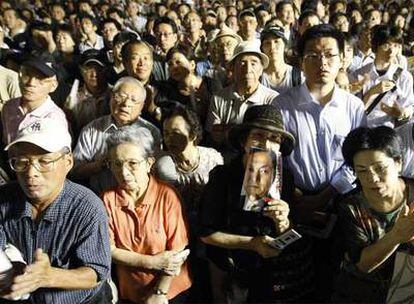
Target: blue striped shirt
column 73, row 231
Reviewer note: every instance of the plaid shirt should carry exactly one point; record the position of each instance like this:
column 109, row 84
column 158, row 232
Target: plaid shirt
column 73, row 231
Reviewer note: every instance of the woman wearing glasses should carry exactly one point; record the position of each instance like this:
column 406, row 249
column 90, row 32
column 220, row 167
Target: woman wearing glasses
column 147, row 230
column 377, row 218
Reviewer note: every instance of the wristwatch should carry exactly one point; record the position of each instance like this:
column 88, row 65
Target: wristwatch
column 159, row 292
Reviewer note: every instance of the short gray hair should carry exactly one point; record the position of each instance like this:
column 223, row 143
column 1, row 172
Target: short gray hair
column 138, row 136
column 127, row 79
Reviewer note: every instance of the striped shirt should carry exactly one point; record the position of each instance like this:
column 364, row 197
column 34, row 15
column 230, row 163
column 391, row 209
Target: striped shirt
column 73, row 232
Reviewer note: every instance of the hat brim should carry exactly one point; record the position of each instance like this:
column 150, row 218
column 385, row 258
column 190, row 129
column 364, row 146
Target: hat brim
column 235, row 36
column 263, row 58
column 239, row 132
column 277, row 35
column 41, row 67
column 40, row 140
column 93, row 61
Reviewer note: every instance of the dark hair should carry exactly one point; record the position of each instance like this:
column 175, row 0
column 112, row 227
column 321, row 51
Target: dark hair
column 305, row 14
column 187, row 51
column 165, row 20
column 381, row 34
column 369, row 12
column 82, row 16
column 126, row 48
column 309, row 5
column 336, row 16
column 194, row 126
column 112, row 10
column 381, row 138
column 123, row 37
column 334, row 3
column 350, row 39
column 320, row 31
column 67, row 28
column 281, row 4
column 40, row 26
column 110, row 20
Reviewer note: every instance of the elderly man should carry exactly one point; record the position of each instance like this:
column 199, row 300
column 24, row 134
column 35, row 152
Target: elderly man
column 57, row 227
column 227, row 108
column 37, row 81
column 127, row 101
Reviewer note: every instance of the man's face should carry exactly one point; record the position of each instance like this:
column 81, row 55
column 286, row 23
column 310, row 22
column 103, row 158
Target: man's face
column 321, row 61
column 84, row 7
column 132, row 9
column 41, row 187
column 193, row 22
column 179, row 66
column 10, row 18
column 342, row 24
column 183, row 10
column 109, row 31
column 348, row 55
column 388, row 51
column 58, row 13
column 34, row 85
column 233, row 23
column 248, row 25
column 374, row 19
column 64, row 42
column 320, row 9
column 140, row 62
column 87, row 26
column 127, row 103
column 263, row 17
column 273, row 46
column 259, row 175
column 225, row 48
column 287, row 15
column 308, row 22
column 263, row 139
column 166, row 38
column 247, row 70
column 93, row 75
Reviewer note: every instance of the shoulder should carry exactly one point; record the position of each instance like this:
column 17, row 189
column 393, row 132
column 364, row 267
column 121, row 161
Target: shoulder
column 289, row 98
column 82, row 200
column 11, row 104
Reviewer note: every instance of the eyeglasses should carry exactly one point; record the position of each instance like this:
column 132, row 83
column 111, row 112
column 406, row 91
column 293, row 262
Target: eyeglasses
column 121, row 97
column 316, row 57
column 131, row 164
column 378, row 169
column 42, row 164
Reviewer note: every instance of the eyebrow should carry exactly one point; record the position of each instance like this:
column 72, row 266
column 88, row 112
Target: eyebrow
column 376, row 163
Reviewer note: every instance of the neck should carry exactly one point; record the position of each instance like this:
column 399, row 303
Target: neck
column 277, row 67
column 39, row 206
column 321, row 92
column 194, row 36
column 381, row 64
column 92, row 37
column 31, row 105
column 137, row 195
column 246, row 91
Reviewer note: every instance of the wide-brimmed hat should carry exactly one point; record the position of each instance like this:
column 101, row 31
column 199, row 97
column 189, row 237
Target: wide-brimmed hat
column 265, row 117
column 225, row 31
column 248, row 47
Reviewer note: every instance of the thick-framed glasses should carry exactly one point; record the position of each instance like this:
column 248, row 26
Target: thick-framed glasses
column 314, row 57
column 378, row 169
column 42, row 164
column 131, row 164
column 121, row 97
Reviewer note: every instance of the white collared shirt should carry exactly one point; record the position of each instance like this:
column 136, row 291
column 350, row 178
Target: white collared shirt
column 227, row 107
column 403, row 95
column 87, row 45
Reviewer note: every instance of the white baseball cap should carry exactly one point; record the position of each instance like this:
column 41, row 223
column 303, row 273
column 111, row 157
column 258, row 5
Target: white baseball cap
column 47, row 133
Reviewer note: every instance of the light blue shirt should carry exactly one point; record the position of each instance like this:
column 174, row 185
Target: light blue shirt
column 320, row 131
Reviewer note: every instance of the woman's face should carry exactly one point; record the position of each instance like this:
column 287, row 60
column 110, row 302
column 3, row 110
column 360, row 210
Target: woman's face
column 377, row 173
column 177, row 134
column 179, row 66
column 130, row 168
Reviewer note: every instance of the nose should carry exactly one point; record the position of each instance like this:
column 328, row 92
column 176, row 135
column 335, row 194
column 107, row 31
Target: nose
column 372, row 176
column 31, row 171
column 125, row 171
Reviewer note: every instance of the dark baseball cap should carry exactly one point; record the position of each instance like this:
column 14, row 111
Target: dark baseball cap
column 274, row 30
column 43, row 64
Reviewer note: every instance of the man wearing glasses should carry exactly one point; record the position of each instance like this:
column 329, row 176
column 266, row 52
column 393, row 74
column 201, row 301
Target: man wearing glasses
column 127, row 102
column 59, row 227
column 319, row 115
column 37, row 80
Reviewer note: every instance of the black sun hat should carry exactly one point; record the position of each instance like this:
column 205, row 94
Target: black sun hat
column 265, row 117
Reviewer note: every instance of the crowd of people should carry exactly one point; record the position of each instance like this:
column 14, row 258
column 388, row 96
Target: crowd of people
column 206, row 151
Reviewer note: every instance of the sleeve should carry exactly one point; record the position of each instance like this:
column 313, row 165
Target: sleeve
column 107, row 201
column 213, row 211
column 406, row 95
column 13, row 87
column 92, row 247
column 355, row 237
column 175, row 225
column 213, row 115
column 84, row 147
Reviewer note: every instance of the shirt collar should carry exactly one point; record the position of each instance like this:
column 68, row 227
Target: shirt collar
column 256, row 97
column 307, row 98
column 150, row 196
column 41, row 110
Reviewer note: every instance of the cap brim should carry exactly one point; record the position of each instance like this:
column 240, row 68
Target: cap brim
column 40, row 140
column 235, row 36
column 264, row 59
column 41, row 67
column 93, row 61
column 286, row 147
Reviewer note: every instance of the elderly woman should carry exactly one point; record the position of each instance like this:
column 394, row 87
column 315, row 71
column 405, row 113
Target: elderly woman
column 256, row 271
column 147, row 229
column 377, row 217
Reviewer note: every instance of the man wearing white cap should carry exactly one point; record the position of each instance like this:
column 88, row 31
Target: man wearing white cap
column 59, row 227
column 227, row 108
